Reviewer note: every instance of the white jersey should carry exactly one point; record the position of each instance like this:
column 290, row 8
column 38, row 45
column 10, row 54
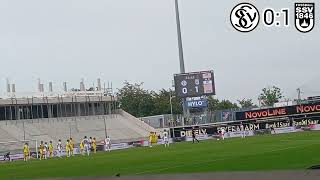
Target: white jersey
column 223, row 131
column 243, row 131
column 59, row 146
column 107, row 141
column 86, row 142
column 242, row 127
column 45, row 147
column 90, row 142
column 166, row 139
column 165, row 136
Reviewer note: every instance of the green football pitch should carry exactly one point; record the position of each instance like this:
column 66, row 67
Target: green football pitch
column 264, row 152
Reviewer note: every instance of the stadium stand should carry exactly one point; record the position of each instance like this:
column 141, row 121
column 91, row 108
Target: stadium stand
column 50, row 117
column 121, row 127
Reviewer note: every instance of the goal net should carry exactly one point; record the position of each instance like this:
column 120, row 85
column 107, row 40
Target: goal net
column 15, row 149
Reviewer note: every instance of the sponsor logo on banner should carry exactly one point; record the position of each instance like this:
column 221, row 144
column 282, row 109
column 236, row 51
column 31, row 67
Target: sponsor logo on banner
column 237, row 128
column 304, row 16
column 227, row 115
column 277, row 125
column 266, row 113
column 279, row 111
column 120, row 146
column 197, row 103
column 13, row 157
column 64, row 153
column 305, row 122
column 315, row 127
column 285, row 130
column 161, row 141
column 250, row 125
column 238, row 134
column 199, row 137
column 188, row 133
column 307, row 108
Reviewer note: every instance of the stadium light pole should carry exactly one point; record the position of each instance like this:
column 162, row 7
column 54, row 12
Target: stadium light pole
column 181, row 59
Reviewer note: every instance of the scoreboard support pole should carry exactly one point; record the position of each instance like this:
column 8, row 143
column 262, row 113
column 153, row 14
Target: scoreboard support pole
column 181, row 59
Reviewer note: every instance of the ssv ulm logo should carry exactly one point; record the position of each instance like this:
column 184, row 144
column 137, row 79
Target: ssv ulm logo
column 304, row 16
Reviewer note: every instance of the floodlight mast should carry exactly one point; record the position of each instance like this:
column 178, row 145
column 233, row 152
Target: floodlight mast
column 181, row 59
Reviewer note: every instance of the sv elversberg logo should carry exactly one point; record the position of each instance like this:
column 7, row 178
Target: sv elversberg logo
column 244, row 17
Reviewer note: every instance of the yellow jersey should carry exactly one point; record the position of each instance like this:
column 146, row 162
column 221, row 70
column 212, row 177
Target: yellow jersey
column 41, row 147
column 67, row 146
column 71, row 144
column 26, row 149
column 81, row 145
column 50, row 147
column 94, row 144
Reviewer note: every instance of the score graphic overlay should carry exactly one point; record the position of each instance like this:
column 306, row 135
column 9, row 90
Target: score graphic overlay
column 274, row 18
column 194, row 84
column 245, row 17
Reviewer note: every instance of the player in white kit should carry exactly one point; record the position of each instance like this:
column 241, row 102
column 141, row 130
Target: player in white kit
column 87, row 146
column 90, row 143
column 107, row 144
column 59, row 147
column 45, row 150
column 243, row 135
column 165, row 139
column 223, row 131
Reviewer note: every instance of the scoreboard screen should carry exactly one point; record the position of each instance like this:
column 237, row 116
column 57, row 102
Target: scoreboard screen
column 194, row 84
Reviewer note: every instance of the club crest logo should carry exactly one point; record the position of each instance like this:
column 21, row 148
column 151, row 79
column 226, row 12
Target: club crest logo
column 304, row 16
column 244, row 17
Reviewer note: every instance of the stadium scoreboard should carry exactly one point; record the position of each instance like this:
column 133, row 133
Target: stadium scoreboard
column 194, row 84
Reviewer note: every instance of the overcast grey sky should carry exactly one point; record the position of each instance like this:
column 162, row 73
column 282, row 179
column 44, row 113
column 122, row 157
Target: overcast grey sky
column 135, row 40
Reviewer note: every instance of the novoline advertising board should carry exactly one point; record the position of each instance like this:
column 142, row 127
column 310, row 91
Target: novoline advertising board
column 251, row 125
column 279, row 111
column 194, row 84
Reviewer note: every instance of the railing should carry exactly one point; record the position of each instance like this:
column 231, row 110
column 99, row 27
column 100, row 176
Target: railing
column 192, row 119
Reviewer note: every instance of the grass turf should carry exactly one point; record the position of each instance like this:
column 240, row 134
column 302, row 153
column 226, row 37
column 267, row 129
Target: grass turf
column 267, row 152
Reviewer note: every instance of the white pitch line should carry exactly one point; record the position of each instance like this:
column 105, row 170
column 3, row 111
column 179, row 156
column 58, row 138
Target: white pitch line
column 221, row 159
column 308, row 140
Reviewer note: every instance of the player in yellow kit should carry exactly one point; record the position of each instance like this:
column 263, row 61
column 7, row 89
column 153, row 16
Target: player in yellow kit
column 41, row 147
column 68, row 148
column 71, row 147
column 94, row 145
column 150, row 139
column 81, row 147
column 50, row 149
column 26, row 152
